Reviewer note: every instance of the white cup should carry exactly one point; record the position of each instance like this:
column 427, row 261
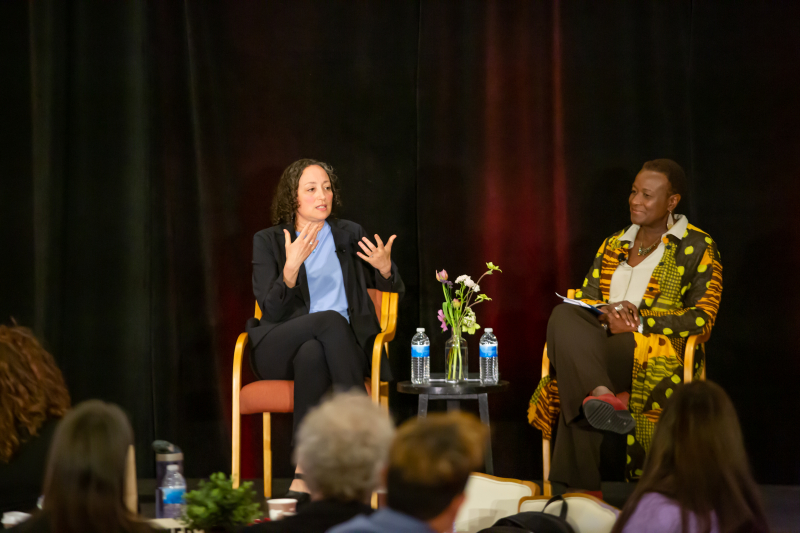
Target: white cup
column 280, row 507
column 13, row 518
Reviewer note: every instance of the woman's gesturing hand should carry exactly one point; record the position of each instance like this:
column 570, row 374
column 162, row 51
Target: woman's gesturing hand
column 379, row 256
column 299, row 250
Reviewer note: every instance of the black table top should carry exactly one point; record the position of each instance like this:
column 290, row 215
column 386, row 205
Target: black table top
column 438, row 386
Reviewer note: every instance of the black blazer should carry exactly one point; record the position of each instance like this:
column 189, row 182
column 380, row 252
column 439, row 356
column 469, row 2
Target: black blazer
column 280, row 303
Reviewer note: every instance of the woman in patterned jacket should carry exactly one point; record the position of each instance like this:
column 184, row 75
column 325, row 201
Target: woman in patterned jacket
column 656, row 282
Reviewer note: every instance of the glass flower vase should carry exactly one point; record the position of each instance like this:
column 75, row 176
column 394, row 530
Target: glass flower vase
column 456, row 358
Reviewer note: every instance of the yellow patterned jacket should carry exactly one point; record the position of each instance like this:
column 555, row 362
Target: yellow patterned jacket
column 682, row 299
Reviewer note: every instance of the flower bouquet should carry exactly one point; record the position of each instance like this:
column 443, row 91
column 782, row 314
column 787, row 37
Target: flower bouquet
column 457, row 313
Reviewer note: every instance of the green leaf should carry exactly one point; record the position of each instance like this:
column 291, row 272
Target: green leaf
column 217, row 504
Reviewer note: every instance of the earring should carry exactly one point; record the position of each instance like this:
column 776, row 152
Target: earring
column 670, row 221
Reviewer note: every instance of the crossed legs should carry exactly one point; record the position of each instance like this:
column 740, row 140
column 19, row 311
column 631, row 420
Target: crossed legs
column 318, row 351
column 583, row 357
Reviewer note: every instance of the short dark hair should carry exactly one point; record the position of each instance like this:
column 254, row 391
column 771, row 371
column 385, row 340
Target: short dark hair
column 284, row 203
column 430, row 462
column 674, row 173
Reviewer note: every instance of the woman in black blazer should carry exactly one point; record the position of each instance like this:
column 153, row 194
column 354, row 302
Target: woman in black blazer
column 311, row 273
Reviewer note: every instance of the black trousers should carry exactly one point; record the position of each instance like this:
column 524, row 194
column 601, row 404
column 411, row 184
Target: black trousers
column 318, row 351
column 582, row 357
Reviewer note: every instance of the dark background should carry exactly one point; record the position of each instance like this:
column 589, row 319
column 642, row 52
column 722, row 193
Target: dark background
column 141, row 141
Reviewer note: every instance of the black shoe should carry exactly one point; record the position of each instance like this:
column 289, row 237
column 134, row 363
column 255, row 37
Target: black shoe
column 608, row 413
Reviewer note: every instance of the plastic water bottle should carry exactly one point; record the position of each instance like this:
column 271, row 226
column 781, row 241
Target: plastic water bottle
column 173, row 490
column 488, row 353
column 420, row 358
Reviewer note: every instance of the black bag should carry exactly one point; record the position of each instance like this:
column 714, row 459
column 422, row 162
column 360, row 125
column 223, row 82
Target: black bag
column 534, row 521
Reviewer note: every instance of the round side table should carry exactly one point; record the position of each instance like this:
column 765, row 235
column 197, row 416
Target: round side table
column 472, row 389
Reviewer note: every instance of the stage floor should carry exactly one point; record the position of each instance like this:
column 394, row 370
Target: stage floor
column 782, row 502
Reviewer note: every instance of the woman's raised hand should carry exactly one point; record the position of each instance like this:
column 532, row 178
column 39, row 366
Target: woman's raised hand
column 379, row 256
column 299, row 250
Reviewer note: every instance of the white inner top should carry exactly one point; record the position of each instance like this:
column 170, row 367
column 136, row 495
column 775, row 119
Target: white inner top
column 629, row 283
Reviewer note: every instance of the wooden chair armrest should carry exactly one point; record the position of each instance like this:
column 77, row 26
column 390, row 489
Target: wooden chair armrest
column 688, row 355
column 388, row 327
column 238, row 355
column 375, row 379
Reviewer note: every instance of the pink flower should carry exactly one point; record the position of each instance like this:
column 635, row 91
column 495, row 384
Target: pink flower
column 441, row 276
column 441, row 318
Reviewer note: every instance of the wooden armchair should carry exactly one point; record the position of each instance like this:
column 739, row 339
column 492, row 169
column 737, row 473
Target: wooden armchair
column 277, row 396
column 490, row 498
column 688, row 364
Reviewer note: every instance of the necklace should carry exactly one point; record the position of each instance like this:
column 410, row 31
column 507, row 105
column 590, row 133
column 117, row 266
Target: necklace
column 648, row 249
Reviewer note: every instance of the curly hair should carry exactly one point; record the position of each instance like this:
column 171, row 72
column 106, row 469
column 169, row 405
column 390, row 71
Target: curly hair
column 284, row 202
column 32, row 389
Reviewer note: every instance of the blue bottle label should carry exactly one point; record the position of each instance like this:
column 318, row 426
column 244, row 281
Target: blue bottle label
column 488, row 351
column 173, row 495
column 420, row 351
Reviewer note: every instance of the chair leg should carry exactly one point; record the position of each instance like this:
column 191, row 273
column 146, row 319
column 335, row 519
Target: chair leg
column 384, row 397
column 236, row 439
column 267, row 456
column 547, row 488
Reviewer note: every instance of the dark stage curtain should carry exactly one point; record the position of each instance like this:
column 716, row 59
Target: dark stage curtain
column 142, row 141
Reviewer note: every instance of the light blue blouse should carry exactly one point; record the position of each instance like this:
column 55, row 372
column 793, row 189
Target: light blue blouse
column 324, row 273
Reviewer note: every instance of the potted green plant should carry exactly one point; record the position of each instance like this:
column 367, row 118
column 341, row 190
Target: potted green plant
column 216, row 506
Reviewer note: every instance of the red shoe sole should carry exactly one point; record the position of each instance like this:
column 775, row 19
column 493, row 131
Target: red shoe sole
column 602, row 415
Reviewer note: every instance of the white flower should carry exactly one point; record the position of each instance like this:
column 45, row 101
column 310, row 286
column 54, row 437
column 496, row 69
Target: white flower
column 464, row 279
column 468, row 282
column 476, row 288
column 469, row 318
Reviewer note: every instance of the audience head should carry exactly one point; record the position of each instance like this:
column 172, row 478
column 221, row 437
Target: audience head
column 430, row 462
column 287, row 199
column 342, row 447
column 85, row 477
column 698, row 459
column 32, row 389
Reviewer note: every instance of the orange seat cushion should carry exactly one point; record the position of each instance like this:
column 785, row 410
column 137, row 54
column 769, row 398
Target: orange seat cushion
column 268, row 396
column 272, row 396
